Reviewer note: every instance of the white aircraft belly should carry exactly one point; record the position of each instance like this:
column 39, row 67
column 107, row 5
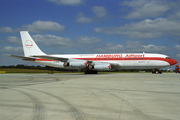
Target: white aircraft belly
column 142, row 64
column 51, row 63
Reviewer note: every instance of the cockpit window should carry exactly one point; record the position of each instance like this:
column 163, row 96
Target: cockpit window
column 168, row 57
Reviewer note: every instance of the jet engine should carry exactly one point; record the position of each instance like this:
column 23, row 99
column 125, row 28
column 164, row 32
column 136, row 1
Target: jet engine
column 75, row 64
column 100, row 67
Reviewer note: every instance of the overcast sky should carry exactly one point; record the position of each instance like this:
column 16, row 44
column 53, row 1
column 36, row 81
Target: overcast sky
column 90, row 26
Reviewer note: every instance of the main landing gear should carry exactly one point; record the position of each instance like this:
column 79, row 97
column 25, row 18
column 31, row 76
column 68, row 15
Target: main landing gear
column 91, row 72
column 156, row 71
column 51, row 70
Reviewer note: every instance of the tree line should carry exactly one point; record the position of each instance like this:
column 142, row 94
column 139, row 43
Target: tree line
column 38, row 67
column 59, row 69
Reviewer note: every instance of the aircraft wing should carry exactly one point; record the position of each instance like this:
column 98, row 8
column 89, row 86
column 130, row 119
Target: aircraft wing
column 21, row 57
column 52, row 58
column 114, row 65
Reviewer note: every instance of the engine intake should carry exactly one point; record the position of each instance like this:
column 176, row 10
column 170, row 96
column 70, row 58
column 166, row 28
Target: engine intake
column 66, row 64
column 75, row 64
column 100, row 67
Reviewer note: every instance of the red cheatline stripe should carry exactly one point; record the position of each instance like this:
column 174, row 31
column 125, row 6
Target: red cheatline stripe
column 170, row 61
column 39, row 59
column 109, row 59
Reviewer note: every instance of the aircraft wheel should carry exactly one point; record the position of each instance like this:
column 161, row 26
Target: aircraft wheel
column 156, row 72
column 90, row 72
column 86, row 72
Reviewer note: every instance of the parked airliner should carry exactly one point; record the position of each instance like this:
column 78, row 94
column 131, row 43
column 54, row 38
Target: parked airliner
column 92, row 63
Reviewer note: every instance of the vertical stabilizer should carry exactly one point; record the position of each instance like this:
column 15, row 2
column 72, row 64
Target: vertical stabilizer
column 29, row 46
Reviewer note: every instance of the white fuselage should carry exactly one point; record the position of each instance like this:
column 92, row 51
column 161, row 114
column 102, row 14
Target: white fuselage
column 121, row 61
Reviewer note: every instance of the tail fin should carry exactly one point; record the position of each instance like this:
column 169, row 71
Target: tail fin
column 29, row 46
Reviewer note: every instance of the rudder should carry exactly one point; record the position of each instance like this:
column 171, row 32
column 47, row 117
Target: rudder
column 29, row 46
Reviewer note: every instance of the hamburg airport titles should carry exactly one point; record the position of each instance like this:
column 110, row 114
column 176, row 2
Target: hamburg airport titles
column 120, row 56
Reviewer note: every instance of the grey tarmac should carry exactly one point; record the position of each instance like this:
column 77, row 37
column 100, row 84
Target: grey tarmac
column 103, row 96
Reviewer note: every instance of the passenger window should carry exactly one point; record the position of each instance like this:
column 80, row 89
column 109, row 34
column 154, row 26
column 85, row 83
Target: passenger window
column 168, row 57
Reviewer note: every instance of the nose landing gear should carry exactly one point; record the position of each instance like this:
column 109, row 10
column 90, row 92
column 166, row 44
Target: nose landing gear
column 156, row 71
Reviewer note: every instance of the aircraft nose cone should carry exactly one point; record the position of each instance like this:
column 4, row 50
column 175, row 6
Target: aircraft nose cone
column 172, row 62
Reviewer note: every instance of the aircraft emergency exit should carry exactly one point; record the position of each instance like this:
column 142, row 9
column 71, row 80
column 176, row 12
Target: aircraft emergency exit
column 92, row 63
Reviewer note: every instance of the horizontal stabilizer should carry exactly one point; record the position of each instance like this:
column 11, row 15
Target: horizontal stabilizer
column 21, row 57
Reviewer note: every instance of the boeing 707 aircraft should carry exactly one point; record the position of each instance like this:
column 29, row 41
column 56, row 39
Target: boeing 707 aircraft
column 92, row 63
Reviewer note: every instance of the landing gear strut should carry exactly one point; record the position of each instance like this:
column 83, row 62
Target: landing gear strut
column 156, row 71
column 90, row 72
column 51, row 71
